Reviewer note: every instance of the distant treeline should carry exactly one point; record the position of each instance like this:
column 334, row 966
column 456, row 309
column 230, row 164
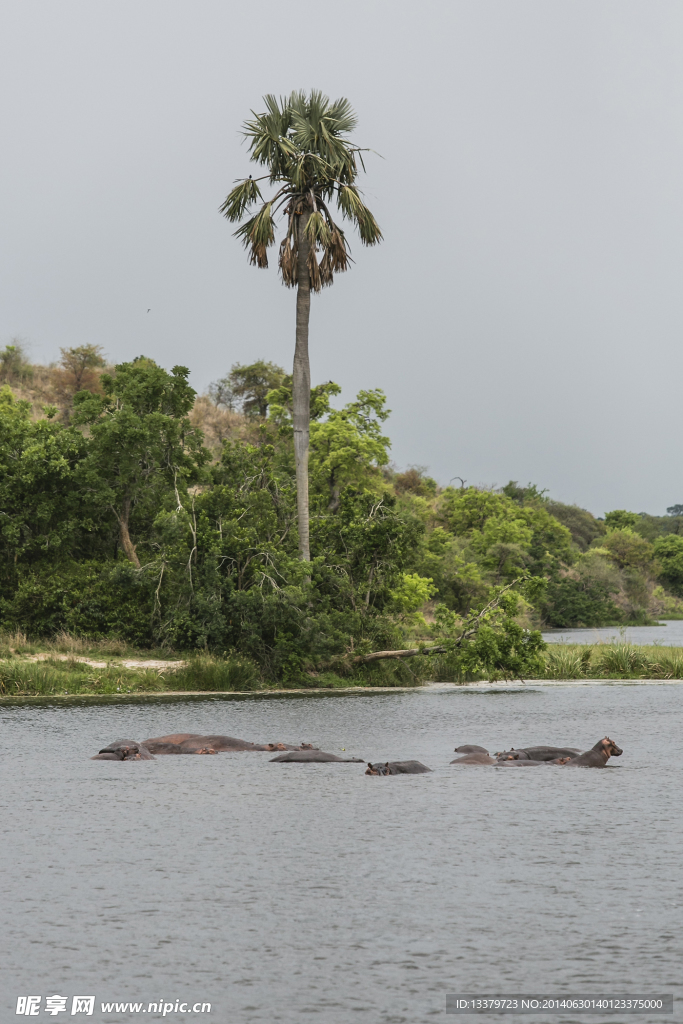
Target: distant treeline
column 130, row 508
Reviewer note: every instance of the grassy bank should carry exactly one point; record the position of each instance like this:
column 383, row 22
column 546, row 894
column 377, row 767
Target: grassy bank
column 68, row 665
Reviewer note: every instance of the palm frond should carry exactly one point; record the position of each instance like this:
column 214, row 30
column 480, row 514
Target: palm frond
column 257, row 234
column 242, row 196
column 342, row 115
column 353, row 207
column 267, row 134
column 338, row 251
column 326, row 270
column 317, row 230
column 288, row 261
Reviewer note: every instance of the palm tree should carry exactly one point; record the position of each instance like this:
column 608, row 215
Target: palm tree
column 302, row 140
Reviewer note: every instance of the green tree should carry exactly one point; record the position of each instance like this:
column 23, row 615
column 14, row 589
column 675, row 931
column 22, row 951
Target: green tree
column 79, row 370
column 669, row 554
column 414, row 481
column 583, row 526
column 348, row 444
column 505, row 536
column 303, row 141
column 14, row 366
column 627, row 549
column 251, row 385
column 620, row 518
column 142, row 444
column 42, row 511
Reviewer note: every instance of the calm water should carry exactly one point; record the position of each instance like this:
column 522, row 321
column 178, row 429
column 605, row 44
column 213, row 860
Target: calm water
column 314, row 893
column 669, row 633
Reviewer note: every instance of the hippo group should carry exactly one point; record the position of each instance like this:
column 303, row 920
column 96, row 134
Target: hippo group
column 523, row 757
column 185, row 743
column 306, row 753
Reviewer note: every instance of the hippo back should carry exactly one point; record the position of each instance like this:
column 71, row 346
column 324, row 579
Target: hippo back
column 550, row 753
column 474, row 759
column 397, row 768
column 312, row 757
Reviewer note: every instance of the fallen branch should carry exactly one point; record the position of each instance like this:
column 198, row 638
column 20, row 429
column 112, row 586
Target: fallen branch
column 413, row 652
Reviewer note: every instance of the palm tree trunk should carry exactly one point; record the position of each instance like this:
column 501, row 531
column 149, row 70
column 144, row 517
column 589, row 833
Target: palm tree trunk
column 301, row 387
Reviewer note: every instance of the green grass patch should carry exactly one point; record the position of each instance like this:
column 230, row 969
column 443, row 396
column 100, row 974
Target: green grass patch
column 20, row 678
column 59, row 676
column 216, row 674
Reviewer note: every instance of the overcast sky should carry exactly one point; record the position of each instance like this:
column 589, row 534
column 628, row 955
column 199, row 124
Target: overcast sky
column 524, row 314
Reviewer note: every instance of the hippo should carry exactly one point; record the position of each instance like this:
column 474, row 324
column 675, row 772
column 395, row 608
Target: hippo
column 312, row 756
column 397, row 768
column 597, row 756
column 512, row 755
column 124, row 750
column 194, row 743
column 474, row 759
column 470, row 748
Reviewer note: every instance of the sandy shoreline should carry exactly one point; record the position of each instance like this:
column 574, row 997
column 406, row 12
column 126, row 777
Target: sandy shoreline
column 481, row 686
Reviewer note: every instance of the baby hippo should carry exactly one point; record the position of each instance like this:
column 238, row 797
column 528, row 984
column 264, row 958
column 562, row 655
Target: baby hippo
column 396, row 768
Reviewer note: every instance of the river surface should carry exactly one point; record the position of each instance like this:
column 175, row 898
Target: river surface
column 669, row 633
column 314, row 893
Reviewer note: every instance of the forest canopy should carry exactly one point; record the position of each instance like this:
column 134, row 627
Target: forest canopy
column 132, row 508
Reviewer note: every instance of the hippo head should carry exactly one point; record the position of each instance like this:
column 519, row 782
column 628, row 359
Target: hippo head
column 610, row 748
column 124, row 750
column 377, row 769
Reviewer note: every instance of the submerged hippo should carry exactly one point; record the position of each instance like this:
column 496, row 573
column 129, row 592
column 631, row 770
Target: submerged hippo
column 522, row 762
column 470, row 748
column 597, row 756
column 512, row 755
column 397, row 768
column 194, row 743
column 124, row 750
column 313, row 756
column 474, row 759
